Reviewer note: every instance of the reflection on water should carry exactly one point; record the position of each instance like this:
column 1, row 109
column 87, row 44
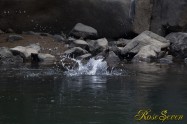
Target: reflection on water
column 53, row 98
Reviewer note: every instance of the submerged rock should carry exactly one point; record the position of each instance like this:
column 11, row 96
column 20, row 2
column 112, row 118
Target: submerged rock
column 83, row 31
column 97, row 46
column 178, row 46
column 166, row 60
column 75, row 52
column 12, row 38
column 147, row 53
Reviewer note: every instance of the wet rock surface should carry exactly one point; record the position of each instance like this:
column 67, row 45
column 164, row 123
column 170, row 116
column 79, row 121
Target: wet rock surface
column 178, row 46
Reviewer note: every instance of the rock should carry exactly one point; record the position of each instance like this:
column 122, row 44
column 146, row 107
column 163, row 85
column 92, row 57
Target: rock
column 12, row 38
column 97, row 46
column 81, row 43
column 122, row 42
column 168, row 16
column 58, row 38
column 6, row 57
column 29, row 33
column 147, row 53
column 9, row 30
column 1, row 32
column 46, row 58
column 84, row 57
column 35, row 46
column 112, row 59
column 142, row 17
column 84, row 31
column 178, row 47
column 185, row 60
column 24, row 52
column 44, row 34
column 116, row 50
column 5, row 52
column 166, row 60
column 75, row 52
column 144, row 39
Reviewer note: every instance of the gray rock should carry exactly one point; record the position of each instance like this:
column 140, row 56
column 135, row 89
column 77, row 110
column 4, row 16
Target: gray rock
column 97, row 46
column 168, row 16
column 116, row 50
column 144, row 39
column 46, row 58
column 12, row 38
column 185, row 60
column 84, row 31
column 178, row 45
column 147, row 53
column 142, row 17
column 35, row 46
column 24, row 52
column 84, row 57
column 58, row 38
column 5, row 52
column 80, row 43
column 30, row 33
column 75, row 52
column 7, row 58
column 112, row 59
column 166, row 60
column 122, row 42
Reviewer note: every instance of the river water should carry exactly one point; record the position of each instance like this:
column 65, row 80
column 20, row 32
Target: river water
column 48, row 96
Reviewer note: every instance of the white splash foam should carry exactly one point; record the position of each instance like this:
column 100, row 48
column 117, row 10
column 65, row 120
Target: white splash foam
column 92, row 67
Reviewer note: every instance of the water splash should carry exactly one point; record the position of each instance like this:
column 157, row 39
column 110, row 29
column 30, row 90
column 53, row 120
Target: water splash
column 91, row 67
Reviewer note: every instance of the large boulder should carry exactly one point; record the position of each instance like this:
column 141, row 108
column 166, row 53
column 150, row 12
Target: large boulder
column 75, row 52
column 144, row 39
column 178, row 46
column 109, row 17
column 97, row 46
column 168, row 16
column 142, row 15
column 147, row 53
column 83, row 31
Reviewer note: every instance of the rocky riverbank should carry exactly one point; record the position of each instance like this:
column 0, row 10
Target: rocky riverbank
column 83, row 43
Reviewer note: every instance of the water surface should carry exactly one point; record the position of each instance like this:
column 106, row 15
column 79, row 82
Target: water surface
column 47, row 96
